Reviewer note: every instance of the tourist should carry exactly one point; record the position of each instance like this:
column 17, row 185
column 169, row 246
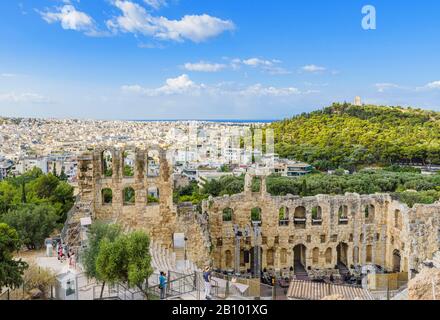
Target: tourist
column 61, row 254
column 162, row 285
column 207, row 278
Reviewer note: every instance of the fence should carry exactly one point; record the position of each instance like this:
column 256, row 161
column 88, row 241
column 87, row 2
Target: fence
column 233, row 287
column 13, row 294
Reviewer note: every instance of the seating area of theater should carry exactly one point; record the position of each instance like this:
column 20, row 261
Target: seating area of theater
column 163, row 259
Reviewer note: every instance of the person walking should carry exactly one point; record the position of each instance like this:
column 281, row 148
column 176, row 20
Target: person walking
column 162, row 285
column 207, row 279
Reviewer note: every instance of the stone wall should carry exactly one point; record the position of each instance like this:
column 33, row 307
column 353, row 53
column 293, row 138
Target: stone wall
column 390, row 235
column 319, row 231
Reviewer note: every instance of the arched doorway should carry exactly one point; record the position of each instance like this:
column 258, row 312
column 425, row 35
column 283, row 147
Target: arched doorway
column 252, row 252
column 341, row 252
column 299, row 262
column 396, row 261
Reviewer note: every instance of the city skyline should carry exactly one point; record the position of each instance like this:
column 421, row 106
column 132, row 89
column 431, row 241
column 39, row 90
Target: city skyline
column 181, row 59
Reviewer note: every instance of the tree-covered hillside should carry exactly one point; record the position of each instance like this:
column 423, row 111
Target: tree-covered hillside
column 350, row 137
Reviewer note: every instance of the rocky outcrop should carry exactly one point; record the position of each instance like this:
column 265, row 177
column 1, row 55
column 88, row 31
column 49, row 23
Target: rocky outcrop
column 425, row 286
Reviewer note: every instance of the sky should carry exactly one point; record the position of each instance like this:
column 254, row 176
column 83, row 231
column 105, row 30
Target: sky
column 217, row 59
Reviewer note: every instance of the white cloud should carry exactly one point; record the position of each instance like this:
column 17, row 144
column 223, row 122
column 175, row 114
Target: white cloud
column 180, row 85
column 13, row 97
column 312, row 68
column 8, row 75
column 70, row 19
column 197, row 28
column 204, row 66
column 269, row 66
column 433, row 85
column 183, row 85
column 156, row 4
column 260, row 90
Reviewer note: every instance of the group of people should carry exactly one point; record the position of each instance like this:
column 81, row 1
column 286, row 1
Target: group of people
column 206, row 277
column 63, row 252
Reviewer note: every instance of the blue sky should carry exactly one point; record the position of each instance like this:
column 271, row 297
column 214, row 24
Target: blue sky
column 198, row 59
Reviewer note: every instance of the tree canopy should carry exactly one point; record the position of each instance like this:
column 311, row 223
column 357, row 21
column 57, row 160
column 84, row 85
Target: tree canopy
column 348, row 136
column 126, row 259
column 35, row 204
column 11, row 270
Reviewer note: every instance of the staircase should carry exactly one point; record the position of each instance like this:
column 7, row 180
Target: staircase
column 343, row 270
column 71, row 232
column 300, row 272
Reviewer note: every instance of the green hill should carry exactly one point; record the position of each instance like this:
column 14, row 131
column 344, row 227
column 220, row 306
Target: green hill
column 350, row 137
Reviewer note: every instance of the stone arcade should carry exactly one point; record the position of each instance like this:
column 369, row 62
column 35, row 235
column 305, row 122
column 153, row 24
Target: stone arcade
column 134, row 187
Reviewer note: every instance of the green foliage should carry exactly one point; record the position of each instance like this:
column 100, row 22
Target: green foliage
column 126, row 259
column 152, row 199
column 362, row 182
column 34, row 223
column 129, row 196
column 98, row 232
column 35, row 204
column 350, row 136
column 11, row 270
column 256, row 214
column 423, row 197
column 128, row 171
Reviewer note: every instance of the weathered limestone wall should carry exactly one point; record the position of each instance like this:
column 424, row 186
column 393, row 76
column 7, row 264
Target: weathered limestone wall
column 391, row 234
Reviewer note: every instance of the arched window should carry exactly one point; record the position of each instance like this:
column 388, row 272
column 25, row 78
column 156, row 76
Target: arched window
column 316, row 216
column 107, row 163
column 369, row 255
column 343, row 215
column 315, row 255
column 300, row 218
column 328, row 255
column 107, row 196
column 129, row 160
column 270, row 257
column 227, row 214
column 228, row 259
column 284, row 216
column 129, row 196
column 256, row 214
column 153, row 163
column 369, row 213
column 283, row 256
column 153, row 195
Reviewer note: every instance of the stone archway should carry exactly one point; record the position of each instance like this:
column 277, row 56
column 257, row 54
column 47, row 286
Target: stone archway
column 299, row 255
column 341, row 252
column 396, row 260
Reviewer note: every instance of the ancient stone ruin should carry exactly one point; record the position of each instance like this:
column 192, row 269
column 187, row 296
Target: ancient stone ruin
column 134, row 188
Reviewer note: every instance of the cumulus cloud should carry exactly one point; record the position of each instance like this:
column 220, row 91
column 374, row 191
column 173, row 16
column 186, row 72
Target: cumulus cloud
column 433, row 85
column 197, row 28
column 269, row 66
column 70, row 19
column 173, row 86
column 312, row 68
column 204, row 66
column 183, row 85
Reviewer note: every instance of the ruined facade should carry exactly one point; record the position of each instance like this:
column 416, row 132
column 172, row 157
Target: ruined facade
column 317, row 232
